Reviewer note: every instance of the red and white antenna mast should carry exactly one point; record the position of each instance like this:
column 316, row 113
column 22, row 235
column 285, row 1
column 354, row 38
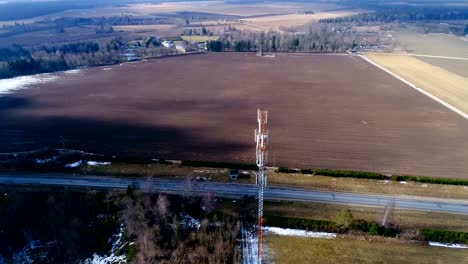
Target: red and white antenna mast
column 261, row 138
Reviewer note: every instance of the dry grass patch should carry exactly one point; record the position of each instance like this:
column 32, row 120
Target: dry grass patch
column 311, row 250
column 199, row 38
column 404, row 219
column 158, row 170
column 142, row 28
column 432, row 44
column 443, row 84
column 455, row 66
column 292, row 20
column 367, row 186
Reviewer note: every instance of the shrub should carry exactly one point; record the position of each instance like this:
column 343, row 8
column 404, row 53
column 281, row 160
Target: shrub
column 344, row 219
column 351, row 174
column 300, row 223
column 307, row 171
column 286, row 170
column 373, row 228
column 432, row 180
column 445, row 236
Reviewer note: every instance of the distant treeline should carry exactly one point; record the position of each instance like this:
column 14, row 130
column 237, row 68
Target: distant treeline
column 80, row 47
column 12, row 53
column 19, row 61
column 405, row 14
column 33, row 66
column 320, row 38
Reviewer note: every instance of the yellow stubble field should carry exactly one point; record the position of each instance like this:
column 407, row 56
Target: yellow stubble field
column 441, row 83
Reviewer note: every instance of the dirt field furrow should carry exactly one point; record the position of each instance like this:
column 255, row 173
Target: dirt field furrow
column 324, row 112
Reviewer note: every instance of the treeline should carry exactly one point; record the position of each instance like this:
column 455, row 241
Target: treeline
column 12, row 53
column 320, row 38
column 344, row 223
column 75, row 48
column 444, row 236
column 405, row 14
column 33, row 66
column 16, row 61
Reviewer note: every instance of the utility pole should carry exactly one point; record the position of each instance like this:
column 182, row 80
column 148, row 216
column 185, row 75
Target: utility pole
column 261, row 138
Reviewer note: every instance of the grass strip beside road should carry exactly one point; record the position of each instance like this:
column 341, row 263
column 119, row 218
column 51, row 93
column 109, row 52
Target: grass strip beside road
column 406, row 220
column 390, row 187
column 341, row 250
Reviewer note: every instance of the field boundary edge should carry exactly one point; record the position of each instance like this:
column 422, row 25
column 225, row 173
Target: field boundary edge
column 433, row 97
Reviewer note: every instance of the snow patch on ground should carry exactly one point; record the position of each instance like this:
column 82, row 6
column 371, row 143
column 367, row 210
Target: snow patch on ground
column 43, row 161
column 97, row 163
column 75, row 71
column 117, row 245
column 189, row 222
column 10, row 85
column 447, row 245
column 33, row 248
column 249, row 245
column 74, row 164
column 297, row 232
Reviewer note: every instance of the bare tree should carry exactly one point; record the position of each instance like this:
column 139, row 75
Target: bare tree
column 188, row 186
column 208, row 201
column 162, row 205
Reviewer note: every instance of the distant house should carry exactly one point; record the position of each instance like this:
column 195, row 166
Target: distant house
column 184, row 46
column 234, row 174
column 168, row 44
column 181, row 47
column 203, row 46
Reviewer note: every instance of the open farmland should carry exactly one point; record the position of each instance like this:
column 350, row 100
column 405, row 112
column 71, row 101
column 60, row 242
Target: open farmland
column 444, row 45
column 432, row 44
column 443, row 84
column 230, row 8
column 458, row 67
column 278, row 22
column 325, row 111
column 315, row 250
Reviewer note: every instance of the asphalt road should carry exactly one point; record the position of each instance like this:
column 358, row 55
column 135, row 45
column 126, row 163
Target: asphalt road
column 234, row 190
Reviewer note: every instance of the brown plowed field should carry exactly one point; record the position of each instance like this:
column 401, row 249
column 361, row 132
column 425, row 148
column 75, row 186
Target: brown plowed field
column 324, row 111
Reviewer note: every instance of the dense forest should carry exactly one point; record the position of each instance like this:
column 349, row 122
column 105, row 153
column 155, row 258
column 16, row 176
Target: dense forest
column 70, row 227
column 55, row 227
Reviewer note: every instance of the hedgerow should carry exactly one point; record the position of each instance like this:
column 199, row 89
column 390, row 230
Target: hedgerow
column 286, row 170
column 351, row 174
column 432, row 180
column 300, row 223
column 445, row 236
